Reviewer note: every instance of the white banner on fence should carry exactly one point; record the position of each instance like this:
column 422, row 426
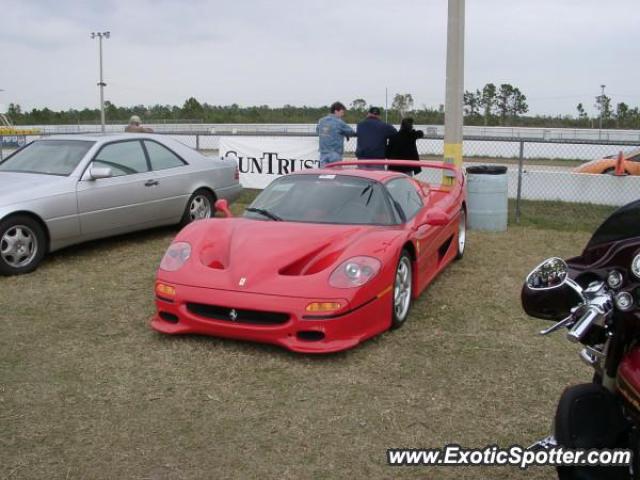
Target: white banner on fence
column 262, row 159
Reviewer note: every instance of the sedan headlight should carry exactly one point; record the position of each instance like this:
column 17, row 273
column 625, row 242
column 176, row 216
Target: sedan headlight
column 177, row 254
column 354, row 272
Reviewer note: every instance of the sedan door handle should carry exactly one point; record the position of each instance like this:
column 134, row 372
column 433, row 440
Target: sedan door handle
column 151, row 183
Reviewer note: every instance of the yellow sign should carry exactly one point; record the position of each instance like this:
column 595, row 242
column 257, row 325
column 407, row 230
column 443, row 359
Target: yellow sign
column 19, row 131
column 452, row 154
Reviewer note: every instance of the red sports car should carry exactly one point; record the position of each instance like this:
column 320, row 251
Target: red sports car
column 321, row 261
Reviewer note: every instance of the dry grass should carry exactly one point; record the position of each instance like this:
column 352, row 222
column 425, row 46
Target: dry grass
column 87, row 390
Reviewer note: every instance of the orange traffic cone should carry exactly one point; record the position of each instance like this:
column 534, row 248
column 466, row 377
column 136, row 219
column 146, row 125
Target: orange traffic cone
column 620, row 165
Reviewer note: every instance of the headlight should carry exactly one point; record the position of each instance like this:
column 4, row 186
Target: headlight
column 354, row 272
column 635, row 266
column 177, row 254
column 624, row 301
column 614, row 279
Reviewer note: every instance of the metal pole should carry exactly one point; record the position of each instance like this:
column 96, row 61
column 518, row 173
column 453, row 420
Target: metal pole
column 101, row 88
column 454, row 88
column 386, row 104
column 601, row 106
column 101, row 84
column 519, row 194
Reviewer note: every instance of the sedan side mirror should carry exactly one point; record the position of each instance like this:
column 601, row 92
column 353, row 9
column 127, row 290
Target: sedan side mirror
column 96, row 173
column 223, row 206
column 437, row 217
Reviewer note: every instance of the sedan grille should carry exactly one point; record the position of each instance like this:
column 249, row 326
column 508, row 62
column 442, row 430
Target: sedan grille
column 255, row 317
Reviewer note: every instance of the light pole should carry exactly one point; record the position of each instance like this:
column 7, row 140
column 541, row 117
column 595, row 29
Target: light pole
column 601, row 104
column 454, row 87
column 101, row 84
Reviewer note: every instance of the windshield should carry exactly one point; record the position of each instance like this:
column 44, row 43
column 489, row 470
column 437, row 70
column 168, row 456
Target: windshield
column 621, row 224
column 50, row 157
column 340, row 199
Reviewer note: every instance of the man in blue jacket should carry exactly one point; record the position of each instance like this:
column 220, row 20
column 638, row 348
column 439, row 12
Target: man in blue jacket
column 332, row 131
column 373, row 134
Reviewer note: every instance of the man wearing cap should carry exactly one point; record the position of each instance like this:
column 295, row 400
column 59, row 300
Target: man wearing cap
column 136, row 127
column 332, row 131
column 373, row 134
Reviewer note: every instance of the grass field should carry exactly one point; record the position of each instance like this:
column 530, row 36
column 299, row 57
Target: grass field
column 87, row 390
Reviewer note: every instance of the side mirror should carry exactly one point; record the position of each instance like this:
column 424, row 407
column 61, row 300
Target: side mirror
column 223, row 206
column 549, row 292
column 552, row 273
column 437, row 217
column 96, row 173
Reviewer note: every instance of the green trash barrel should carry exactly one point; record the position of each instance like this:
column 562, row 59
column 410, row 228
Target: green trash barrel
column 487, row 202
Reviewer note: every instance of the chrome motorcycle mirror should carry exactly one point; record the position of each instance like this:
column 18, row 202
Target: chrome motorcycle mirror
column 552, row 273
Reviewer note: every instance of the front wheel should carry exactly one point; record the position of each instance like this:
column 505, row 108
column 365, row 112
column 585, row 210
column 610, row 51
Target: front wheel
column 462, row 233
column 199, row 207
column 22, row 245
column 402, row 291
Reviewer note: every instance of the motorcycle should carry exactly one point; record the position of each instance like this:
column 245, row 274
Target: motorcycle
column 596, row 297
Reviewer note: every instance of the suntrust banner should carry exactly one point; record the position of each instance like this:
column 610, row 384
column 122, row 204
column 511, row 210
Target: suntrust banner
column 262, row 159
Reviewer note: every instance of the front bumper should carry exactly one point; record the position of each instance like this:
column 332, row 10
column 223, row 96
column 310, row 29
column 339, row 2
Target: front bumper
column 298, row 334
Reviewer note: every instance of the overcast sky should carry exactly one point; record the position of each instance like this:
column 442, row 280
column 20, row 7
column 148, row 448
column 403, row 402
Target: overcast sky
column 275, row 52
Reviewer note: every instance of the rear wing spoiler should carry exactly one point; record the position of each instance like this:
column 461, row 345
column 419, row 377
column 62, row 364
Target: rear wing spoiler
column 450, row 170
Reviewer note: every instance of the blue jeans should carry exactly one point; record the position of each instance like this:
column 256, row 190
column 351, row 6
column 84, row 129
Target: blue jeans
column 329, row 157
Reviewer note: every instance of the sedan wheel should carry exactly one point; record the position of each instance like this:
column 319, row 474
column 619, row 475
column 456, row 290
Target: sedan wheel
column 402, row 290
column 22, row 245
column 199, row 207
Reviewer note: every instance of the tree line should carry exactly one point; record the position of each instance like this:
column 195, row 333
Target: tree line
column 492, row 105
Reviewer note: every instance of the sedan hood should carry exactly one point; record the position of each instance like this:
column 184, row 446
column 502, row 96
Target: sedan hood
column 276, row 258
column 22, row 187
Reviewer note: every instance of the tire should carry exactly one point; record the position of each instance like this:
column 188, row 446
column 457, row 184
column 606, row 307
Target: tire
column 402, row 287
column 588, row 416
column 23, row 245
column 199, row 207
column 462, row 234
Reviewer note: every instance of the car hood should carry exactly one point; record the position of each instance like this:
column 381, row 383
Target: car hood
column 22, row 187
column 277, row 258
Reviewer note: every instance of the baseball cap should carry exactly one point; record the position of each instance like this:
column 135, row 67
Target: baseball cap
column 374, row 111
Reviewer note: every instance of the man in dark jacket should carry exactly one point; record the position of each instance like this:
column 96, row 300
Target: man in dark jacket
column 403, row 146
column 372, row 136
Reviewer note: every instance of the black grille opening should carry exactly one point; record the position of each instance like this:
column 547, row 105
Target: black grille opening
column 310, row 335
column 168, row 317
column 237, row 315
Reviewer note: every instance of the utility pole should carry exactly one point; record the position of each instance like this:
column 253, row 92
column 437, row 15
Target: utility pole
column 453, row 112
column 386, row 105
column 101, row 84
column 601, row 102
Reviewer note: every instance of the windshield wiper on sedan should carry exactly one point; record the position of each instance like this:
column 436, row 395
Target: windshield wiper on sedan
column 265, row 213
column 369, row 189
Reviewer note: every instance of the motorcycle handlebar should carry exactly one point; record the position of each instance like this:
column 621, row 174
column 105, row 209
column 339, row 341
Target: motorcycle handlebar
column 582, row 325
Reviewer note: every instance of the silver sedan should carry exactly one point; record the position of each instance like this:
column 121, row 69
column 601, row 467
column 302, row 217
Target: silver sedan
column 64, row 190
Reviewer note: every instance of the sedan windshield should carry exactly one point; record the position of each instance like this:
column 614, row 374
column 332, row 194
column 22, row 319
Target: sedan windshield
column 50, row 157
column 339, row 199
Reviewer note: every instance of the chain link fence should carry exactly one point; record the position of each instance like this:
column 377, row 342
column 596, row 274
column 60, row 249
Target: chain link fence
column 544, row 187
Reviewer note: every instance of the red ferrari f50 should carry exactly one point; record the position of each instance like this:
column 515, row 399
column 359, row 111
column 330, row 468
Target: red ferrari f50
column 320, row 261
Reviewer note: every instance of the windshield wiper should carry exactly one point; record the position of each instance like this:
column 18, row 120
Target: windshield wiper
column 264, row 212
column 368, row 188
